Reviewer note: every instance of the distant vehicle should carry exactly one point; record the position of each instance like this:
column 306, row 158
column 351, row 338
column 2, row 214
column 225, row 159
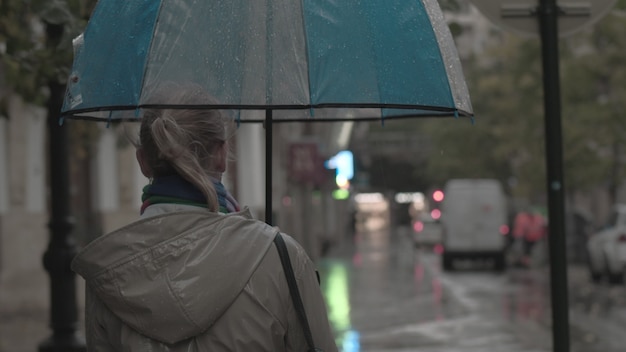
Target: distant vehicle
column 474, row 218
column 426, row 231
column 607, row 249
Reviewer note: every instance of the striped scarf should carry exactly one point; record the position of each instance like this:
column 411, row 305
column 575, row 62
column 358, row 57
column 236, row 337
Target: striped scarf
column 174, row 189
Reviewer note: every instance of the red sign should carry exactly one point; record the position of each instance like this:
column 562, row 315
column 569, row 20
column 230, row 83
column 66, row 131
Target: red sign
column 305, row 164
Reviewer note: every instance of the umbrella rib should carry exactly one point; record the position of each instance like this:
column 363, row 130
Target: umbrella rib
column 262, row 107
column 428, row 111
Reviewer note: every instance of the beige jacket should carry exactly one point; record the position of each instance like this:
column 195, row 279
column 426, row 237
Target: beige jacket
column 193, row 280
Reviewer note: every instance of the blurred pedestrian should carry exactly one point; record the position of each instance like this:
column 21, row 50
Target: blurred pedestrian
column 194, row 272
column 521, row 224
column 529, row 228
column 535, row 232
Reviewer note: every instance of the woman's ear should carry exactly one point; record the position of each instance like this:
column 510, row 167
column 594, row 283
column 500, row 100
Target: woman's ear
column 143, row 164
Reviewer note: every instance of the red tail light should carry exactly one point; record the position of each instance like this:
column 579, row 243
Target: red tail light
column 504, row 230
column 418, row 226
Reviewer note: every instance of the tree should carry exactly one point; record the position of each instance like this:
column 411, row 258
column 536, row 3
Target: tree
column 29, row 63
column 594, row 96
column 507, row 139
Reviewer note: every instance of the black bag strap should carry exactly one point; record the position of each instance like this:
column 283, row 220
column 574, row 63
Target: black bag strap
column 293, row 289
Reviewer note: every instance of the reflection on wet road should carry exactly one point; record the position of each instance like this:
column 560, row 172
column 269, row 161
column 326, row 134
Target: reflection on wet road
column 383, row 295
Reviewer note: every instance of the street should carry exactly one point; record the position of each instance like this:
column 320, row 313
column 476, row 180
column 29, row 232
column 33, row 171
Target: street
column 384, row 295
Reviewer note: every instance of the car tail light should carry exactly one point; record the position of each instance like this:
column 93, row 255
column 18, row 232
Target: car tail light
column 504, row 230
column 621, row 238
column 418, row 226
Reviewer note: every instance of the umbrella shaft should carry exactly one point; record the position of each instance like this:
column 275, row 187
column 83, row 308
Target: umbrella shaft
column 268, row 166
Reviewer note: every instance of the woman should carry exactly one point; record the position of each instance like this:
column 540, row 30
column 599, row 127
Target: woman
column 194, row 273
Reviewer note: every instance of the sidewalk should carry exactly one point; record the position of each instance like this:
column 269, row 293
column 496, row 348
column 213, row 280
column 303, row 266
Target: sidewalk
column 24, row 311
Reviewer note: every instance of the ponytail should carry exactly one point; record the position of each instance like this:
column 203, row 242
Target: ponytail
column 185, row 141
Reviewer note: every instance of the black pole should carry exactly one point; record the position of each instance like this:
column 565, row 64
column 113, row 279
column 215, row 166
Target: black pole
column 268, row 166
column 61, row 249
column 548, row 13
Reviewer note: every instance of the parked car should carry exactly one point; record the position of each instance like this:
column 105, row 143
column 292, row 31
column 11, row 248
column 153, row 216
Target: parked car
column 426, row 231
column 607, row 249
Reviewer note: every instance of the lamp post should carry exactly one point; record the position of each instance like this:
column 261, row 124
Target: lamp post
column 548, row 12
column 61, row 249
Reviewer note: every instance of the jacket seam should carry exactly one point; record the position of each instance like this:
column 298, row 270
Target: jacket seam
column 265, row 308
column 180, row 304
column 135, row 317
column 95, row 243
column 150, row 251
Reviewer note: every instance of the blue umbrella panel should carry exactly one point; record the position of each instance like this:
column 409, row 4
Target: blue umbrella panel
column 320, row 60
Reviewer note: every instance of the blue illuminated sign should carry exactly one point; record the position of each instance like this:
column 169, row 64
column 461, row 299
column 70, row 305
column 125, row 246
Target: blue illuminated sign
column 343, row 163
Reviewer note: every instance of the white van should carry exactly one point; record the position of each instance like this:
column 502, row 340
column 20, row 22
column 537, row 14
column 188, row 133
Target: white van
column 474, row 220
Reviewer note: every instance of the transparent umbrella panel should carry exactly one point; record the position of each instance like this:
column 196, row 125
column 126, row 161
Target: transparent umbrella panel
column 305, row 60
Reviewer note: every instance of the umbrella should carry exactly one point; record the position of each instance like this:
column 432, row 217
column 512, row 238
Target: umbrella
column 305, row 60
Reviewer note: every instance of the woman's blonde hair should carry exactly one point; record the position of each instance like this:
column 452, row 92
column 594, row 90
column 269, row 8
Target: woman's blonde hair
column 184, row 141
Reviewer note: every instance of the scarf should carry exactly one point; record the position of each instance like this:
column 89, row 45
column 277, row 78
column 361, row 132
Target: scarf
column 174, row 189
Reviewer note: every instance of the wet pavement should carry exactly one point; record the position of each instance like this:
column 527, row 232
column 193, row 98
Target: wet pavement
column 384, row 295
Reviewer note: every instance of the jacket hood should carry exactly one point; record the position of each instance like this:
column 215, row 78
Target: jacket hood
column 171, row 276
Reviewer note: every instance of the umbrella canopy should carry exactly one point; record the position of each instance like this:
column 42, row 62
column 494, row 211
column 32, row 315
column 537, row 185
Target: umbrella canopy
column 304, row 60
